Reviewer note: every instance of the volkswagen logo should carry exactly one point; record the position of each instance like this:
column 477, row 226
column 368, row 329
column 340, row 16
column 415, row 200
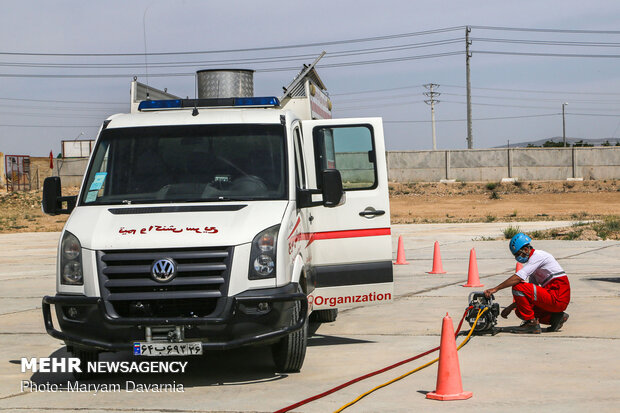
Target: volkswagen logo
column 164, row 270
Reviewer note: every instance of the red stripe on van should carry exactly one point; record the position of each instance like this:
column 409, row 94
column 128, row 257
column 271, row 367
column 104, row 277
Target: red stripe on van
column 354, row 233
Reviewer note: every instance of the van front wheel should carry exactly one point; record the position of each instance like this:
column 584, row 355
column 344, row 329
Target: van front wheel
column 289, row 353
column 324, row 316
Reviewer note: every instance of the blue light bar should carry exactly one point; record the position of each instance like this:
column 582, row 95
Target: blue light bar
column 159, row 104
column 267, row 101
column 259, row 101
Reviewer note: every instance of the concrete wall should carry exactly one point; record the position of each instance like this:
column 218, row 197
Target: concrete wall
column 495, row 164
column 354, row 167
column 70, row 170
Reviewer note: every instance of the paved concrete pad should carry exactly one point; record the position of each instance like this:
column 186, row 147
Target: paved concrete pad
column 575, row 369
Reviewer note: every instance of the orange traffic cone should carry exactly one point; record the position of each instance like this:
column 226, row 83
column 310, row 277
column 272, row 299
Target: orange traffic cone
column 400, row 256
column 437, row 267
column 473, row 279
column 449, row 385
column 518, row 267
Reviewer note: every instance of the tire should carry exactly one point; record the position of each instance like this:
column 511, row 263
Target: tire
column 324, row 316
column 85, row 357
column 289, row 353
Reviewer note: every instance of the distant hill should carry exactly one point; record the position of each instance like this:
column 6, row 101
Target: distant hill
column 569, row 141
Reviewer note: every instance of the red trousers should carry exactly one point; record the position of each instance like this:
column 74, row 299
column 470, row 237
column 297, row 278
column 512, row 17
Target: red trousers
column 534, row 301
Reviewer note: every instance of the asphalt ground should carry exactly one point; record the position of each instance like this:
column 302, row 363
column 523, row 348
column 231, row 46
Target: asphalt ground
column 574, row 370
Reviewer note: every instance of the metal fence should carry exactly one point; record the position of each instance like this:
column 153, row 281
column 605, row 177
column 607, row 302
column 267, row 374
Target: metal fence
column 17, row 172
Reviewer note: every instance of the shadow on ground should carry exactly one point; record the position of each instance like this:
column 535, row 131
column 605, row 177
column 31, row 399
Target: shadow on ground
column 609, row 279
column 241, row 366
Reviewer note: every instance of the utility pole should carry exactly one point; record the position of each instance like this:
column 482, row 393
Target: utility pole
column 564, row 124
column 431, row 94
column 470, row 139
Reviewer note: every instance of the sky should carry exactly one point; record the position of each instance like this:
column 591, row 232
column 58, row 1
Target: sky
column 66, row 65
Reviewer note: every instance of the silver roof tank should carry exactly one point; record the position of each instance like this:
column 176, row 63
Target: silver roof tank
column 225, row 83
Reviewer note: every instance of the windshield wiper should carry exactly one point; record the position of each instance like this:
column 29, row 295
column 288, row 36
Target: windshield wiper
column 211, row 199
column 236, row 198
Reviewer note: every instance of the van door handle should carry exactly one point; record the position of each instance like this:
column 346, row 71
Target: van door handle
column 370, row 212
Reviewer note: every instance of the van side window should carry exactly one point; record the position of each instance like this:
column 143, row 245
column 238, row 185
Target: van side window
column 350, row 149
column 300, row 170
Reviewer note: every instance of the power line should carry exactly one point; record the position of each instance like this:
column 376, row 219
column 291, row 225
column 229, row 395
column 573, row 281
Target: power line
column 280, row 69
column 64, row 101
column 547, row 42
column 374, row 99
column 478, row 88
column 59, row 108
column 538, row 91
column 591, row 114
column 383, row 105
column 48, row 126
column 504, row 105
column 606, row 102
column 476, row 119
column 498, row 118
column 498, row 105
column 545, row 30
column 97, row 76
column 612, row 56
column 261, row 60
column 375, row 90
column 369, row 62
column 253, row 49
column 315, row 44
column 49, row 115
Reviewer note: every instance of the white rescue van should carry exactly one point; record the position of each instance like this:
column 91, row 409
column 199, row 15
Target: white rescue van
column 216, row 223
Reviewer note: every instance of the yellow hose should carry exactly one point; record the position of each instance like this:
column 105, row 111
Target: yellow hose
column 480, row 312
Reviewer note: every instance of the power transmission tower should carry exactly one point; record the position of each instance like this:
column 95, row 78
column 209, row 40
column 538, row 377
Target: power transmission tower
column 432, row 95
column 470, row 139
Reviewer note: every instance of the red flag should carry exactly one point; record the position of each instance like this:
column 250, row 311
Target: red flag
column 51, row 160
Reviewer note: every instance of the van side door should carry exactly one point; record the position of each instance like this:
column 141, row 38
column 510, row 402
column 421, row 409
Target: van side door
column 350, row 244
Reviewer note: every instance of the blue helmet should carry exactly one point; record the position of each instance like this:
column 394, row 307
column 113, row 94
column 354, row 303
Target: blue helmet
column 518, row 241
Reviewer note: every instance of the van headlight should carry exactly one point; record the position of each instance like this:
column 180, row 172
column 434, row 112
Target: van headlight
column 263, row 254
column 71, row 260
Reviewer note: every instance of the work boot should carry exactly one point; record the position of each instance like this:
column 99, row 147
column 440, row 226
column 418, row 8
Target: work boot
column 528, row 327
column 557, row 321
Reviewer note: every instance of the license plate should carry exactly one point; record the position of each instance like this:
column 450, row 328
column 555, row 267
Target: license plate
column 154, row 349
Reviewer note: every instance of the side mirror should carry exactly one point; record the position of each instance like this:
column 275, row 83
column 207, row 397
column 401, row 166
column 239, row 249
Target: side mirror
column 333, row 194
column 51, row 194
column 52, row 201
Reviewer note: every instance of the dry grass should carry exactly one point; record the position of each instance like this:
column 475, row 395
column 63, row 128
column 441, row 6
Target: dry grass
column 21, row 212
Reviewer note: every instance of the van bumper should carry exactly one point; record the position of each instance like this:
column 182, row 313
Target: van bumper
column 84, row 322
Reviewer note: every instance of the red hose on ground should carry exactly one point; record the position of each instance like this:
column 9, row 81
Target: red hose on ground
column 374, row 373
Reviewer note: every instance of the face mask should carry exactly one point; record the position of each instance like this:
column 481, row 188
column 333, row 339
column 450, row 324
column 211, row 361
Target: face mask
column 522, row 259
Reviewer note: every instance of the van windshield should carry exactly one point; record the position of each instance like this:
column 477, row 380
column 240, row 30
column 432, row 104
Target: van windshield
column 189, row 163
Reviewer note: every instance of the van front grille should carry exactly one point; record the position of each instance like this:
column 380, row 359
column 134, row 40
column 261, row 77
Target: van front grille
column 129, row 290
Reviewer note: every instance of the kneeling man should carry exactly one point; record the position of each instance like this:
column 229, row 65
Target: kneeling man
column 545, row 297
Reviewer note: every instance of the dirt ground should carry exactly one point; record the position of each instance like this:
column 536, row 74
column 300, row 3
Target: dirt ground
column 487, row 202
column 413, row 203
